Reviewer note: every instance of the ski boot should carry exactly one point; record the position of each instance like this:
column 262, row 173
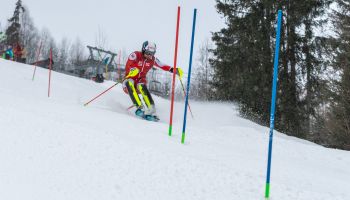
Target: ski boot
column 139, row 112
column 153, row 118
column 150, row 115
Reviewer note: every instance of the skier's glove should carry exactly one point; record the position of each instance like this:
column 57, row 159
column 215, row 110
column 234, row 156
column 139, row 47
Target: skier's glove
column 133, row 72
column 179, row 71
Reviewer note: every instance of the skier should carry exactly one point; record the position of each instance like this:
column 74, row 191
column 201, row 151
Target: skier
column 8, row 54
column 18, row 53
column 136, row 68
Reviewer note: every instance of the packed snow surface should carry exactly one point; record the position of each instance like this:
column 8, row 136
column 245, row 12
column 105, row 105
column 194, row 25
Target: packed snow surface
column 55, row 148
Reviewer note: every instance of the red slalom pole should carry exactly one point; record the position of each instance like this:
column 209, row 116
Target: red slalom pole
column 101, row 94
column 174, row 71
column 37, row 59
column 50, row 66
column 118, row 65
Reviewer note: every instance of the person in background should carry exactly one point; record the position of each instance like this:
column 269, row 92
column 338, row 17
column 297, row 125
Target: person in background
column 8, row 55
column 17, row 53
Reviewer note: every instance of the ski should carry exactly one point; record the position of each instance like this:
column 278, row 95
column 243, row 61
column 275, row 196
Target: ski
column 141, row 114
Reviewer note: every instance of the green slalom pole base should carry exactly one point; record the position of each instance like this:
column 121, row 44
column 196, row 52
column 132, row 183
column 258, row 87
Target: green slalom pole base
column 183, row 138
column 170, row 129
column 267, row 191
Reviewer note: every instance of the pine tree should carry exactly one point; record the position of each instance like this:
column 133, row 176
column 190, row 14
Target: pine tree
column 301, row 66
column 313, row 68
column 63, row 56
column 242, row 68
column 13, row 31
column 338, row 122
column 244, row 56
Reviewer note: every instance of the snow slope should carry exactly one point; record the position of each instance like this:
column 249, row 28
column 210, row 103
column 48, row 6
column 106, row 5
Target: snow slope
column 55, row 148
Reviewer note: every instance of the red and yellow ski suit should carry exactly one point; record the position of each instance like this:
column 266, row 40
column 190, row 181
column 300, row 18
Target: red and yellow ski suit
column 137, row 60
column 136, row 83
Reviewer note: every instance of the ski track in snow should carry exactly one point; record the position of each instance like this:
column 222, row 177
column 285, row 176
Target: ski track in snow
column 55, row 148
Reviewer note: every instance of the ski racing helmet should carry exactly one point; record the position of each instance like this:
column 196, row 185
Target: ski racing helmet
column 149, row 48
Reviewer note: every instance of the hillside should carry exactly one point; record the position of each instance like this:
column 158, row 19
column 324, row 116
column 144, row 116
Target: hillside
column 55, row 148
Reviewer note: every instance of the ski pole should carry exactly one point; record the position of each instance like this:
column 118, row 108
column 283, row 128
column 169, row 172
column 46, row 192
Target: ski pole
column 101, row 93
column 130, row 107
column 183, row 88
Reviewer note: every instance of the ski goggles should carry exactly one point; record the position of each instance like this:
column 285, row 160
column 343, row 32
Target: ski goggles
column 150, row 53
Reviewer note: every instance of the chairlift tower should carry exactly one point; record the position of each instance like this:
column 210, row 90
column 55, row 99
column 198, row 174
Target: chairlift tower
column 102, row 61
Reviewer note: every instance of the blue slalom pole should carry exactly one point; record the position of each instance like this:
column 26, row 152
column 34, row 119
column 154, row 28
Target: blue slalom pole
column 189, row 76
column 273, row 102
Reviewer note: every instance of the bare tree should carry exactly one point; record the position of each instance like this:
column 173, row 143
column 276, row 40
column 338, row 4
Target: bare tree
column 2, row 38
column 202, row 73
column 124, row 56
column 46, row 39
column 76, row 52
column 101, row 39
column 29, row 36
column 63, row 54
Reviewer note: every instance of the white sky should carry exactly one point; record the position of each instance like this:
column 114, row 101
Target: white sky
column 126, row 24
